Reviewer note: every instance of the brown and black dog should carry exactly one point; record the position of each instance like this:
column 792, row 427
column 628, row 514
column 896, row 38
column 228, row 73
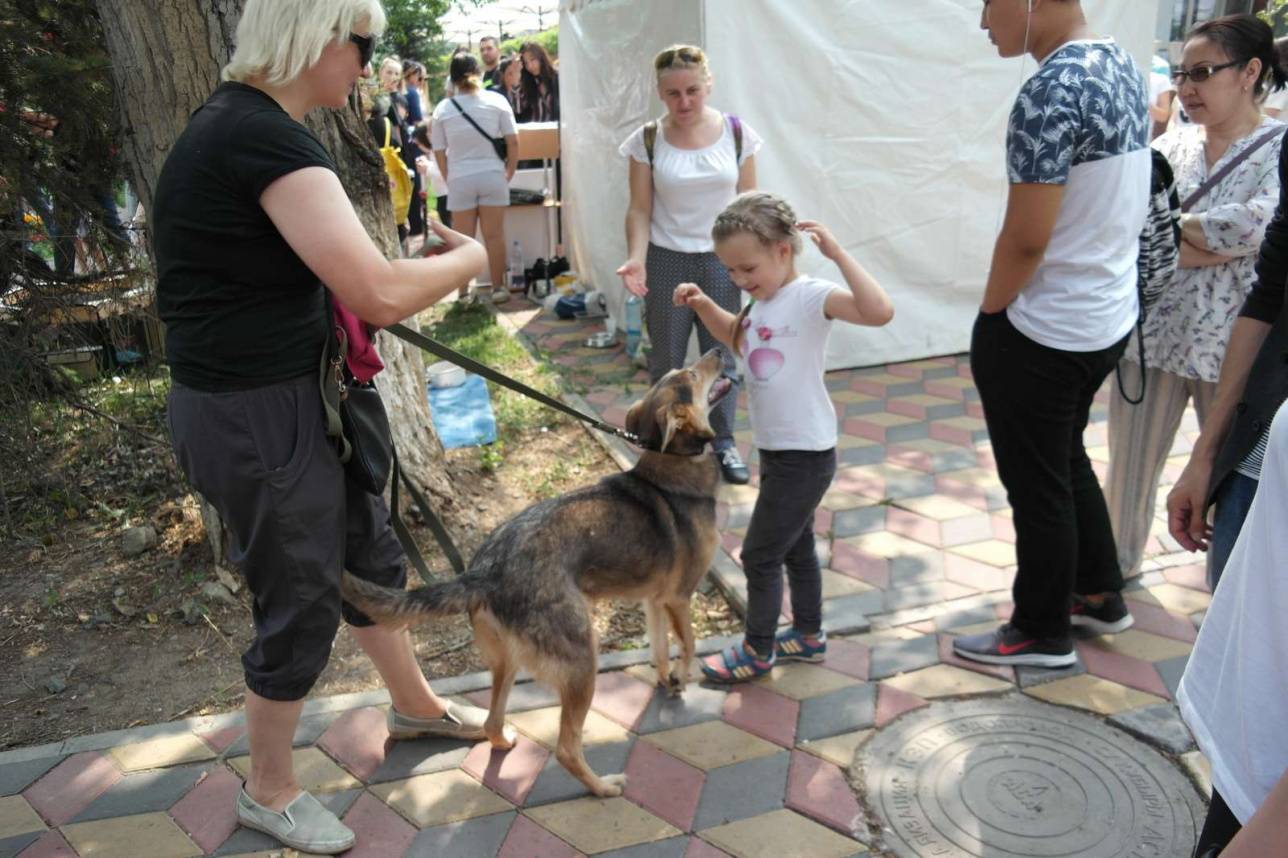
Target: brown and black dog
column 647, row 534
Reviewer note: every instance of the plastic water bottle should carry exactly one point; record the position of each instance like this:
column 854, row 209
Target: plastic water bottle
column 634, row 312
column 515, row 265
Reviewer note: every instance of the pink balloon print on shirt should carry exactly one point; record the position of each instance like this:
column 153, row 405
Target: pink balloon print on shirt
column 765, row 363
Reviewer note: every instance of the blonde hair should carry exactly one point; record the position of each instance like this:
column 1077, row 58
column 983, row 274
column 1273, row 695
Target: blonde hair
column 767, row 217
column 279, row 39
column 681, row 57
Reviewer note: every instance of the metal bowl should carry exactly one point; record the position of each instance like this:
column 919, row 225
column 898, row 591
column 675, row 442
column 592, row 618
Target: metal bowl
column 601, row 340
column 445, row 374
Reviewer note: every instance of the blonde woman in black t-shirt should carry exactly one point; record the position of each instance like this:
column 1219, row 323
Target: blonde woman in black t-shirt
column 250, row 220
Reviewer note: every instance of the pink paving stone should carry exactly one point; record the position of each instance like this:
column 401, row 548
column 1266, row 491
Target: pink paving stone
column 963, row 370
column 937, row 388
column 69, row 787
column 891, row 703
column 615, row 415
column 381, row 832
column 664, row 786
column 1193, row 576
column 975, row 409
column 822, row 521
column 207, row 812
column 763, row 713
column 699, row 848
column 529, row 840
column 984, row 456
column 849, row 560
column 947, row 656
column 861, row 428
column 967, row 529
column 973, row 573
column 918, row 460
column 221, row 739
column 913, row 526
column 357, row 741
column 510, row 773
column 621, row 697
column 1003, row 528
column 818, row 789
column 967, row 494
column 860, row 482
column 925, row 627
column 52, row 845
column 906, row 370
column 732, row 544
column 907, row 409
column 871, row 388
column 1123, row 669
column 848, row 657
column 951, row 434
column 602, row 397
column 1160, row 621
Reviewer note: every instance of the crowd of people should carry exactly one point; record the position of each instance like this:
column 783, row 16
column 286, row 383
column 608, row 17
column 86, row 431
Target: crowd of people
column 246, row 322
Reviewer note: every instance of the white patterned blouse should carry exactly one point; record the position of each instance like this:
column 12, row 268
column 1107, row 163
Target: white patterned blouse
column 1187, row 330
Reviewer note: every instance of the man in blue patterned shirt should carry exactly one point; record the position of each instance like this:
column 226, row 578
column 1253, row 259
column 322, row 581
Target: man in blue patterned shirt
column 1058, row 309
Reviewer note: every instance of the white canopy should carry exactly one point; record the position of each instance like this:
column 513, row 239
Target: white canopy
column 883, row 119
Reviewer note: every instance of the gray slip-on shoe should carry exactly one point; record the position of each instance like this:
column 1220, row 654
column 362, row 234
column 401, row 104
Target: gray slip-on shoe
column 459, row 721
column 304, row 825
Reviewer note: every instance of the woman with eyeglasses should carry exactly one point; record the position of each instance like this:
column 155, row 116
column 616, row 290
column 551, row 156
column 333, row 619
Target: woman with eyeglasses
column 684, row 169
column 251, row 225
column 1227, row 66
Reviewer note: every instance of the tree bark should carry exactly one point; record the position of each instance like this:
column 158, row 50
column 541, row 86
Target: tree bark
column 166, row 59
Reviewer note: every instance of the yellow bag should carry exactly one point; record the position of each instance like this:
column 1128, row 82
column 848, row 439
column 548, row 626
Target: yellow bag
column 399, row 182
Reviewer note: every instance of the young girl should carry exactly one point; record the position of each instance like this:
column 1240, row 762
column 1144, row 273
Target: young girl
column 781, row 339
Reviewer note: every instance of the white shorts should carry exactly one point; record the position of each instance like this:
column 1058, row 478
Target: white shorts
column 478, row 189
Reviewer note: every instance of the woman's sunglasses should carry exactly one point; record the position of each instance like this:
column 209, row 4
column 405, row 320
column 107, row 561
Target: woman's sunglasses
column 1198, row 74
column 366, row 48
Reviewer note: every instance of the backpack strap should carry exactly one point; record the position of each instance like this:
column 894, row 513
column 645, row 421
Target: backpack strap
column 389, row 130
column 735, row 125
column 650, row 138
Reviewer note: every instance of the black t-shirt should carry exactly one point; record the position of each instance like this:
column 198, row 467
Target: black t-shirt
column 241, row 309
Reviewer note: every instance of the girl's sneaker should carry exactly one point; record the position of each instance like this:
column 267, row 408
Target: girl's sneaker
column 792, row 645
column 735, row 664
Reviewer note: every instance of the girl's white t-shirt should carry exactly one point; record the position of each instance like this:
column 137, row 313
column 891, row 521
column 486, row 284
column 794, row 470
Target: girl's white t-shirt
column 468, row 152
column 783, row 349
column 690, row 186
column 1234, row 694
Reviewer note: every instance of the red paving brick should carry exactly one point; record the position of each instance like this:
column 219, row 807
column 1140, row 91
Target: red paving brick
column 822, row 521
column 699, row 848
column 869, row 568
column 52, row 845
column 510, row 773
column 529, row 840
column 947, row 656
column 763, row 713
column 69, row 787
column 1160, row 621
column 664, row 786
column 1123, row 669
column 848, row 657
column 913, row 526
column 357, row 741
column 221, row 739
column 381, row 832
column 967, row 529
column 621, row 697
column 819, row 790
column 973, row 573
column 891, row 703
column 918, row 460
column 207, row 812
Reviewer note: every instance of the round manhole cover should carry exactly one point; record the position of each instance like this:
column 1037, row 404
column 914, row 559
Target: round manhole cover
column 1008, row 776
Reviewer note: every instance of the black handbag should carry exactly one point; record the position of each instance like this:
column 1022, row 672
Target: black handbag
column 355, row 416
column 498, row 143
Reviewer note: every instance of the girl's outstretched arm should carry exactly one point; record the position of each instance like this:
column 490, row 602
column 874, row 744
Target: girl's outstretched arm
column 719, row 321
column 867, row 303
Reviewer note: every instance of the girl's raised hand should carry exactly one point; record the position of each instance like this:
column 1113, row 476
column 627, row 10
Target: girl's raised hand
column 821, row 236
column 634, row 277
column 686, row 294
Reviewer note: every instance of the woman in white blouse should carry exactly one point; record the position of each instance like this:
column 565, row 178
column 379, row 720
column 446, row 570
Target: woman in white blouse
column 1227, row 66
column 700, row 159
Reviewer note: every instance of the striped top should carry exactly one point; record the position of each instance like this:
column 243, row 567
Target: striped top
column 1251, row 464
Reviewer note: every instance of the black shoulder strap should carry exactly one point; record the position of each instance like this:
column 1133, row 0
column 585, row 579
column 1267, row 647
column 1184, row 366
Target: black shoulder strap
column 735, row 124
column 470, row 119
column 650, row 138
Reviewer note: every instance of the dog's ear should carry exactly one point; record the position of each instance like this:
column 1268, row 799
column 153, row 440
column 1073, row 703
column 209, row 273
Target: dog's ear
column 738, row 336
column 669, row 418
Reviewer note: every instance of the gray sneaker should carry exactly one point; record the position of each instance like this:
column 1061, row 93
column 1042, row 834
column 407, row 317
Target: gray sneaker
column 304, row 825
column 460, row 721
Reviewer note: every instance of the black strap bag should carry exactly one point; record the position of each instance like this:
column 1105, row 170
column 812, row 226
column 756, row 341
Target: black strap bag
column 498, row 143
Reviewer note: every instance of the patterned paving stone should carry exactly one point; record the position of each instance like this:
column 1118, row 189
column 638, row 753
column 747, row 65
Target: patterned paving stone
column 314, row 771
column 837, row 750
column 18, row 818
column 779, row 833
column 1180, row 600
column 1199, row 769
column 470, row 838
column 891, row 703
column 947, row 656
column 886, row 545
column 410, row 757
column 1171, row 670
column 380, row 831
column 10, row 846
column 357, row 741
column 1160, row 621
column 599, row 825
column 673, row 847
column 511, row 773
column 762, row 713
column 158, row 753
column 622, row 697
column 929, row 593
column 842, row 711
column 663, row 785
column 974, row 573
column 527, row 839
column 542, row 726
column 847, row 657
column 307, row 732
column 902, row 656
column 144, row 792
column 69, row 787
column 554, row 783
column 944, row 680
column 1094, row 694
column 206, row 812
column 1028, row 677
column 836, row 585
column 696, row 705
column 1193, row 575
column 711, row 745
column 523, row 696
column 869, row 568
column 818, row 789
column 151, row 834
column 993, row 552
column 846, row 615
column 221, row 740
column 1127, row 670
column 743, row 790
column 916, row 527
column 852, row 522
column 1143, row 645
column 1159, row 725
column 16, row 777
column 440, row 798
column 802, row 681
column 913, row 569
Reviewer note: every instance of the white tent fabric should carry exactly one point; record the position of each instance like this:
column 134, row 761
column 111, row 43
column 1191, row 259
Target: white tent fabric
column 884, row 119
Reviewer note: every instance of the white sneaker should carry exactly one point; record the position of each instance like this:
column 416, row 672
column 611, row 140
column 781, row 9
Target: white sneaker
column 304, row 825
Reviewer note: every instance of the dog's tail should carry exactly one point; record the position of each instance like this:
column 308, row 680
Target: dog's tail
column 401, row 608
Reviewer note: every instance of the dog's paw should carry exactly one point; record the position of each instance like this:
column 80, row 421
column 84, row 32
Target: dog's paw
column 505, row 739
column 611, row 786
column 675, row 684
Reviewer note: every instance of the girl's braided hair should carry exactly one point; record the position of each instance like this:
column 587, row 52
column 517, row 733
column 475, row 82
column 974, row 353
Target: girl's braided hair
column 766, row 216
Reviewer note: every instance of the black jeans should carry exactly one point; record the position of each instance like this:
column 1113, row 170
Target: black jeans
column 1218, row 829
column 1036, row 402
column 792, row 482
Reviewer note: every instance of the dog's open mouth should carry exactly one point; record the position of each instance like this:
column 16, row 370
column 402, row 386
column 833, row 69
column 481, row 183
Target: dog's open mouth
column 718, row 389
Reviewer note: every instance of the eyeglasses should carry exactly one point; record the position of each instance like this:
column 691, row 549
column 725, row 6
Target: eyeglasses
column 1198, row 74
column 684, row 55
column 366, row 48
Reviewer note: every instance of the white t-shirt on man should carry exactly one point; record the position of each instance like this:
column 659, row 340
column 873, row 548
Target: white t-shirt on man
column 783, row 349
column 468, row 152
column 690, row 186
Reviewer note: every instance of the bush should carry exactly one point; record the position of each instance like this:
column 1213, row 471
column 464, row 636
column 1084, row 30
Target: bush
column 548, row 39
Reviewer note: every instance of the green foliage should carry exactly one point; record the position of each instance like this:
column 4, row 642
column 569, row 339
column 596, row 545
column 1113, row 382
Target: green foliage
column 1276, row 15
column 548, row 39
column 413, row 31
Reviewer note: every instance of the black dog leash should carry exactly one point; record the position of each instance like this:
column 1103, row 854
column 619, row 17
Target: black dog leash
column 437, row 349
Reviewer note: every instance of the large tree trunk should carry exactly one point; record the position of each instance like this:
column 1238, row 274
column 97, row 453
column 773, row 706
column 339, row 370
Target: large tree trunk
column 166, row 57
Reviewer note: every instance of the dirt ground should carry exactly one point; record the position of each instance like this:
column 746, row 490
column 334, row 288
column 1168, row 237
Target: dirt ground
column 91, row 640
